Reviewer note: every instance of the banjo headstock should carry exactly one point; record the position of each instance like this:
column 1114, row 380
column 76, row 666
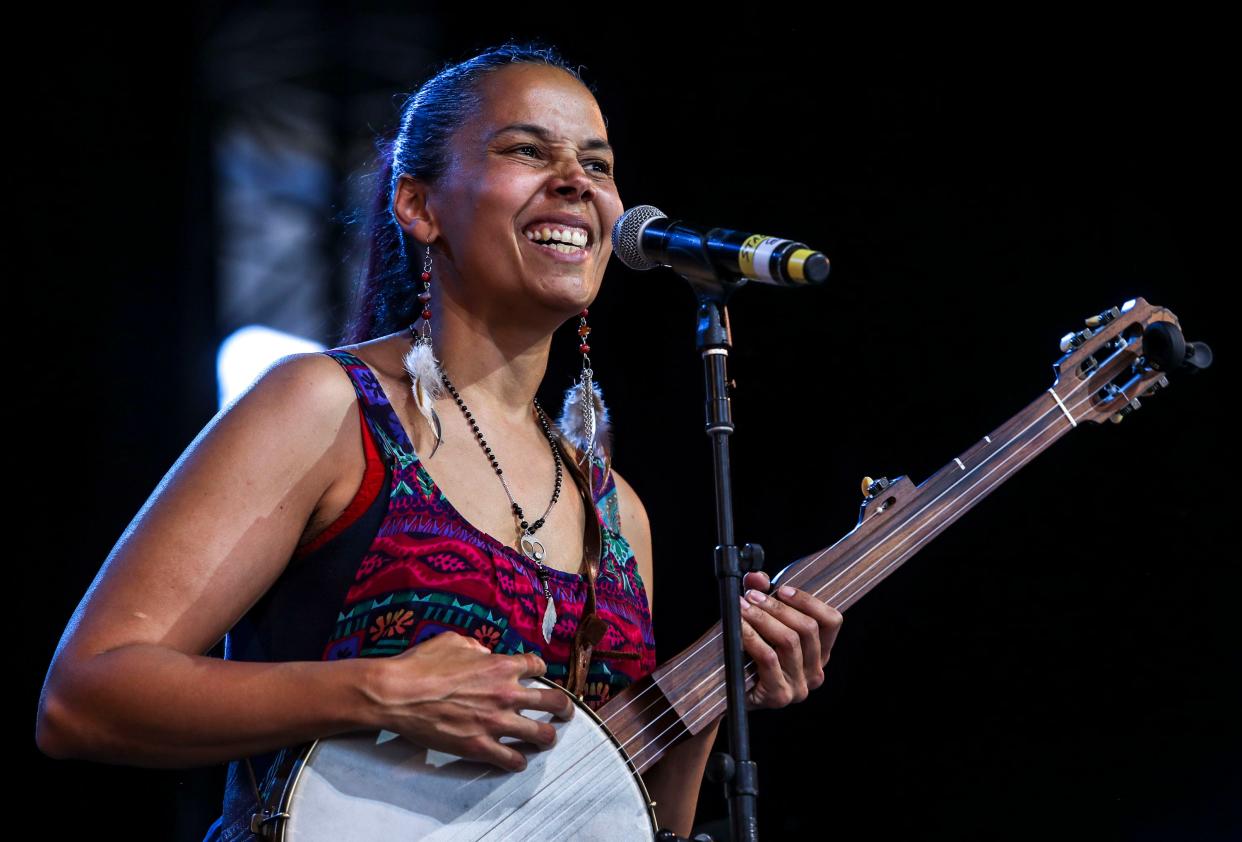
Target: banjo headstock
column 1122, row 355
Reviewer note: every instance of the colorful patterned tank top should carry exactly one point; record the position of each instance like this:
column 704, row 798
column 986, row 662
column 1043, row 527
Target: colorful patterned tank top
column 429, row 571
column 401, row 565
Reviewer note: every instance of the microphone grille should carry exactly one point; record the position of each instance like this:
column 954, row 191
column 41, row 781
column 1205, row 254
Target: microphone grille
column 626, row 234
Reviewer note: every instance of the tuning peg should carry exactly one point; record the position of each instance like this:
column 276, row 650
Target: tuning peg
column 1103, row 318
column 1125, row 410
column 1161, row 383
column 1072, row 340
column 872, row 487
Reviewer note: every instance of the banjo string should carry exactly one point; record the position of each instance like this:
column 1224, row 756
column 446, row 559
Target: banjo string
column 601, row 758
column 865, row 577
column 866, row 574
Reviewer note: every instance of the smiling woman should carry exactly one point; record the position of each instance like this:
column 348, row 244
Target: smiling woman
column 310, row 522
column 537, row 123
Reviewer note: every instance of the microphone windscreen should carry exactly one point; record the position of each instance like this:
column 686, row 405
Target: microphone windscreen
column 626, row 235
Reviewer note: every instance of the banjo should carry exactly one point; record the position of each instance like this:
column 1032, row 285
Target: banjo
column 369, row 785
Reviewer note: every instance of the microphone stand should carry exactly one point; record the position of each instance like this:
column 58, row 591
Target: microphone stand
column 734, row 770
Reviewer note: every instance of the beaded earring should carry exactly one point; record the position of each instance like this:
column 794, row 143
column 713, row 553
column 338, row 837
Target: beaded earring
column 584, row 417
column 420, row 362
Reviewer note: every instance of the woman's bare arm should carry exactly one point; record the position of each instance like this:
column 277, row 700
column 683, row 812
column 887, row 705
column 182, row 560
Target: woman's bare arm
column 128, row 682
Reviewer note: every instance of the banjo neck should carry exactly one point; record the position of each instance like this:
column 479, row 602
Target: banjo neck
column 1103, row 373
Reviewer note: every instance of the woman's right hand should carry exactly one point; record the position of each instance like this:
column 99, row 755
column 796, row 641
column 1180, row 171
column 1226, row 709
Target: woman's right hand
column 453, row 694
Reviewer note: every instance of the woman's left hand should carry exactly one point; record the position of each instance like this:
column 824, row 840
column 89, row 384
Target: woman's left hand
column 788, row 637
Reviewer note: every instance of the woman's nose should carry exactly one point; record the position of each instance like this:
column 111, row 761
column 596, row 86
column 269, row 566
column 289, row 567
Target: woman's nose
column 573, row 182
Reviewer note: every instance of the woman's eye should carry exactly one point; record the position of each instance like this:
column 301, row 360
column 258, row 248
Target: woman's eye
column 598, row 164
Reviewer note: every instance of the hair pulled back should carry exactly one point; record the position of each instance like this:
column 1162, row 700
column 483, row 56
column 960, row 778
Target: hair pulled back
column 386, row 298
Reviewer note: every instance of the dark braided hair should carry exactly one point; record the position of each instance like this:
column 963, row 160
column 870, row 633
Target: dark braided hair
column 386, row 298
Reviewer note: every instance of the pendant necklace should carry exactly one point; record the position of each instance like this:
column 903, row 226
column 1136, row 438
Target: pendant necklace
column 528, row 544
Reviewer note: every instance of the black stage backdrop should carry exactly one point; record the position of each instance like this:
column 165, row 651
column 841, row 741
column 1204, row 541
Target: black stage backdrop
column 1063, row 661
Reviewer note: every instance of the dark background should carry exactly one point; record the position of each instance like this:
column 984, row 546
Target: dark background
column 1063, row 661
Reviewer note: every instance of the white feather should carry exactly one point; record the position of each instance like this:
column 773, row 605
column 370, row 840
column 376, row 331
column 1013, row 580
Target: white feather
column 424, row 371
column 573, row 423
column 424, row 368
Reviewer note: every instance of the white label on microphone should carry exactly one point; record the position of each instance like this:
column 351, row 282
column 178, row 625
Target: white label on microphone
column 762, row 258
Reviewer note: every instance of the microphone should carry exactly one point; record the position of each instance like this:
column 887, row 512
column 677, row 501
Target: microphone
column 644, row 237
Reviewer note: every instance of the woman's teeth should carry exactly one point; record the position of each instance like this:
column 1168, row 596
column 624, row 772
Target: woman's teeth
column 561, row 247
column 566, row 241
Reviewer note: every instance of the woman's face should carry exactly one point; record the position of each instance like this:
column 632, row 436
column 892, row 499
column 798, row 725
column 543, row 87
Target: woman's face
column 533, row 165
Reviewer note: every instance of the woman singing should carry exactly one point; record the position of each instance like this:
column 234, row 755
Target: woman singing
column 353, row 504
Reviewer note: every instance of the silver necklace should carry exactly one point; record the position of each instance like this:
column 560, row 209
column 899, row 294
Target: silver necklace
column 530, row 546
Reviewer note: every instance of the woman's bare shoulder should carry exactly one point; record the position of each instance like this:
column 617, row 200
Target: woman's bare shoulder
column 316, row 375
column 327, row 397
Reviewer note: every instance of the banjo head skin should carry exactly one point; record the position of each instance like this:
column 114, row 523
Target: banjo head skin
column 368, row 785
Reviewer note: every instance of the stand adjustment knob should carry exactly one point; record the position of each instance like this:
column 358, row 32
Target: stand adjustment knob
column 752, row 557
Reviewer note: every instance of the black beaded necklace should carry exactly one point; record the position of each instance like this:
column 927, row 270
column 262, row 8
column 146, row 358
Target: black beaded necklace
column 530, row 546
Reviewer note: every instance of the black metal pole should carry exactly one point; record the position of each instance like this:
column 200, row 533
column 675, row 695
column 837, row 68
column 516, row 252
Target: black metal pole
column 736, row 770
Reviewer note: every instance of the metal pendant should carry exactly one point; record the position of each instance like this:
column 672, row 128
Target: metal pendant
column 532, row 548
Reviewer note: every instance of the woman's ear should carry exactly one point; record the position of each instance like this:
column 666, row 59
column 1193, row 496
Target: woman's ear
column 412, row 209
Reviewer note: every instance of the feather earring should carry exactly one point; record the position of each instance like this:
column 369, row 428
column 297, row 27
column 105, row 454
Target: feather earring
column 584, row 421
column 584, row 416
column 421, row 364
